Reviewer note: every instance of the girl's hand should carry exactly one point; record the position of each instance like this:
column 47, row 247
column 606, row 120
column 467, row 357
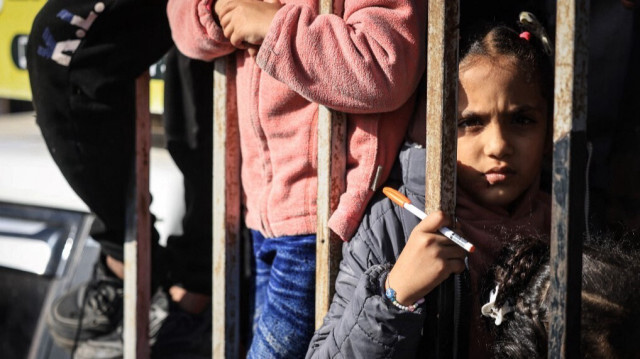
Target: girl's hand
column 426, row 261
column 246, row 22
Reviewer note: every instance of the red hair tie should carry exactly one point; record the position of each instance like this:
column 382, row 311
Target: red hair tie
column 525, row 35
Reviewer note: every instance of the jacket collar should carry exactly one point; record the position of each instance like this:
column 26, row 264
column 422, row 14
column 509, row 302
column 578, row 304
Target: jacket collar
column 412, row 162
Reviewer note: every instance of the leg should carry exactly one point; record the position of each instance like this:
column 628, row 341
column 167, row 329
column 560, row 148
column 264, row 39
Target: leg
column 188, row 118
column 83, row 58
column 261, row 267
column 84, row 96
column 285, row 317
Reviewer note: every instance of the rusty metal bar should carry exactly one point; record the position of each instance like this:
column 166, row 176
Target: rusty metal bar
column 137, row 246
column 331, row 182
column 332, row 130
column 569, row 163
column 443, row 19
column 442, row 104
column 226, row 213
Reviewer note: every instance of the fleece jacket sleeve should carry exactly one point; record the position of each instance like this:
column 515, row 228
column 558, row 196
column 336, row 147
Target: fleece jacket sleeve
column 362, row 322
column 195, row 31
column 368, row 60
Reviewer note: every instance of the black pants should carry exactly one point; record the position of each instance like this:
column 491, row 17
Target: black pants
column 188, row 116
column 83, row 59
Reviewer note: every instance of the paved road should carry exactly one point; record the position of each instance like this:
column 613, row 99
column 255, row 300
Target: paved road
column 28, row 175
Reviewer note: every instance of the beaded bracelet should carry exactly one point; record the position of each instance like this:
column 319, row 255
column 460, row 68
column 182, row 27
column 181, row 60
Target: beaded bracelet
column 390, row 293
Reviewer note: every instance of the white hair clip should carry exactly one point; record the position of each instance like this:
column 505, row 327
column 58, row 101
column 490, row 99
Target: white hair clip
column 490, row 310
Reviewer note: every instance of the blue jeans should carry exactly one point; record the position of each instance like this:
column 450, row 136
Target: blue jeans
column 283, row 320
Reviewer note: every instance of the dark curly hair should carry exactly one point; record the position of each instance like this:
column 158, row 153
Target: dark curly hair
column 610, row 299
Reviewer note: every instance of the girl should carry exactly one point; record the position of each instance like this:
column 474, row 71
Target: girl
column 365, row 61
column 504, row 103
column 610, row 323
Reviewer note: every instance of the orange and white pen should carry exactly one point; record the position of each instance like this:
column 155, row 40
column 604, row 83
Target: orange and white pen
column 404, row 202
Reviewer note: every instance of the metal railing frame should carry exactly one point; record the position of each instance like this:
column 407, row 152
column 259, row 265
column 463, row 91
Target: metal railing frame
column 568, row 223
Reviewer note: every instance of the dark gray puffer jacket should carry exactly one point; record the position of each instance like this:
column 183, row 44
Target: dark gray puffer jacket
column 362, row 322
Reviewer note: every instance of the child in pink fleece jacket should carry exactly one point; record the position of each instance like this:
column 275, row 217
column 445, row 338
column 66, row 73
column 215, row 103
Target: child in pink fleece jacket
column 365, row 60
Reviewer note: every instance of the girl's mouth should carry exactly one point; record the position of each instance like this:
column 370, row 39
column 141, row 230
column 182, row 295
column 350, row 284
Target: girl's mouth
column 498, row 174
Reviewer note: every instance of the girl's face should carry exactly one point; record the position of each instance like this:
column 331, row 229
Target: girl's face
column 502, row 131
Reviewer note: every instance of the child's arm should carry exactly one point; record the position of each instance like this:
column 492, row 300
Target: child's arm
column 410, row 277
column 361, row 322
column 369, row 60
column 195, row 31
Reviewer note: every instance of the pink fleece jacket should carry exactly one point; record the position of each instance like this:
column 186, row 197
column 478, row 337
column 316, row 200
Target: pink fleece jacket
column 366, row 61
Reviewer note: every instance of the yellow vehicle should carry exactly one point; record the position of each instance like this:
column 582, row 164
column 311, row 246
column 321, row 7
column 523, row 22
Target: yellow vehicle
column 16, row 17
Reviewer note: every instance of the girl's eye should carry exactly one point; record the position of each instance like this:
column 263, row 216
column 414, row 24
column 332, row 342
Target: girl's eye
column 469, row 122
column 523, row 120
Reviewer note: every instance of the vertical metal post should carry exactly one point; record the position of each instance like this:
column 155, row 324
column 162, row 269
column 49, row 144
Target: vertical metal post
column 442, row 105
column 331, row 172
column 137, row 246
column 226, row 213
column 331, row 182
column 569, row 138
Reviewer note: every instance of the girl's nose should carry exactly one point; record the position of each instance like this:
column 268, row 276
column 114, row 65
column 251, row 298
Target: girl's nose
column 497, row 143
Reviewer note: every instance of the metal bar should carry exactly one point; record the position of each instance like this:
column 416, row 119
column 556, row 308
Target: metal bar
column 443, row 18
column 569, row 138
column 331, row 183
column 137, row 246
column 332, row 130
column 226, row 213
column 442, row 105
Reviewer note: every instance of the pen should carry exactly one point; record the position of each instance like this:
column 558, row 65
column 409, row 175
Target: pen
column 404, row 202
